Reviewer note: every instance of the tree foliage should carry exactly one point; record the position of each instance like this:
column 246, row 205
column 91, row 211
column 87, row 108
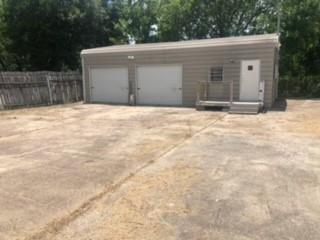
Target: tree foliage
column 196, row 19
column 300, row 37
column 49, row 34
column 138, row 19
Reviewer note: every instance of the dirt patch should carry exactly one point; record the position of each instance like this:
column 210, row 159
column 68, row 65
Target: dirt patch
column 303, row 117
column 307, row 125
column 142, row 209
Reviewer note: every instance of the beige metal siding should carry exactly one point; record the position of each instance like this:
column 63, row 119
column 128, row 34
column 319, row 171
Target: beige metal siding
column 190, row 44
column 196, row 65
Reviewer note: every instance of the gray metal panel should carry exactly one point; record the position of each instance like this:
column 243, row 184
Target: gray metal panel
column 217, row 42
column 196, row 65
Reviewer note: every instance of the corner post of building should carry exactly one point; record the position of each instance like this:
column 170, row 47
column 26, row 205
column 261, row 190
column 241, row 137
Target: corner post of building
column 231, row 92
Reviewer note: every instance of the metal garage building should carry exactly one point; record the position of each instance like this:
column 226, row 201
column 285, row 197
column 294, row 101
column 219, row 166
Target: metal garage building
column 213, row 71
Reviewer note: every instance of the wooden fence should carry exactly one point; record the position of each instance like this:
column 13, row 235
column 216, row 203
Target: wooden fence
column 18, row 89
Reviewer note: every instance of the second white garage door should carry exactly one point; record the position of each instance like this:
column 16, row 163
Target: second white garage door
column 159, row 85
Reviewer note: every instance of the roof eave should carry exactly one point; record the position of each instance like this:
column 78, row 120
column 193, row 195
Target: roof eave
column 272, row 38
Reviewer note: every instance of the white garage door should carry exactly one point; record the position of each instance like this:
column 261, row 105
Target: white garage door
column 159, row 85
column 109, row 85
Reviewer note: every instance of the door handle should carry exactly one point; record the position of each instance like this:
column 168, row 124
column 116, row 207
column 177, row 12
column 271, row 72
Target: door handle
column 176, row 89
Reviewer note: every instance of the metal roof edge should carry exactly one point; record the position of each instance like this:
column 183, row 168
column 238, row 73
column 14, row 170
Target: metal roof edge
column 239, row 40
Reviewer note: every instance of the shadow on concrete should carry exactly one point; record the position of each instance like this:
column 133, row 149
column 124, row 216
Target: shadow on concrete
column 280, row 105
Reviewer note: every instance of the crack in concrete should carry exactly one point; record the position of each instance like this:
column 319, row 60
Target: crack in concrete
column 53, row 228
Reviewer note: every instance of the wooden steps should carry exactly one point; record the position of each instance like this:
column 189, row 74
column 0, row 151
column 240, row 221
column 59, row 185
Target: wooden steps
column 234, row 107
column 245, row 108
column 213, row 103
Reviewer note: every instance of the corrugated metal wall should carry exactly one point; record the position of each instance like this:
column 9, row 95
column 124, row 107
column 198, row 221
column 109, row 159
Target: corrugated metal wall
column 196, row 66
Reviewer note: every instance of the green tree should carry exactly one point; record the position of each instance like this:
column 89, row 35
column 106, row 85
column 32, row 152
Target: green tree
column 138, row 19
column 196, row 19
column 300, row 37
column 49, row 34
column 3, row 43
column 300, row 48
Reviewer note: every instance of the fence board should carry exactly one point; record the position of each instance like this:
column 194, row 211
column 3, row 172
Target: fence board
column 19, row 89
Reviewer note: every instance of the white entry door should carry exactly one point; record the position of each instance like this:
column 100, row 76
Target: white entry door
column 249, row 80
column 109, row 85
column 159, row 85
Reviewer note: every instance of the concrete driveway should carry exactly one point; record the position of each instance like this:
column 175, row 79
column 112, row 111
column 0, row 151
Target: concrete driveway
column 109, row 172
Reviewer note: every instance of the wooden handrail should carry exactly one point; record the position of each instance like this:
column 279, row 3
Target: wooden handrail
column 231, row 92
column 203, row 89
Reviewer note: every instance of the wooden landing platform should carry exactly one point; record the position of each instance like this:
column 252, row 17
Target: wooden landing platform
column 213, row 103
column 234, row 107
